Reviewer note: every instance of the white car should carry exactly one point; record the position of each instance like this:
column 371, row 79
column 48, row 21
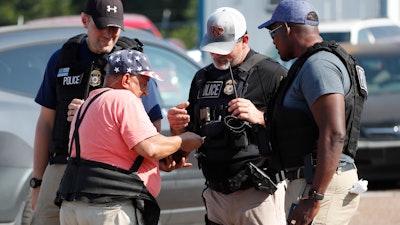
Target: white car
column 360, row 31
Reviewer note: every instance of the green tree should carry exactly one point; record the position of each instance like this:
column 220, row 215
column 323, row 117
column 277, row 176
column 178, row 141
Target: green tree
column 179, row 24
column 13, row 10
column 175, row 18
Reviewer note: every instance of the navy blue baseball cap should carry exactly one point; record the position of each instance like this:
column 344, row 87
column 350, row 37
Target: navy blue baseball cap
column 130, row 61
column 291, row 11
column 106, row 13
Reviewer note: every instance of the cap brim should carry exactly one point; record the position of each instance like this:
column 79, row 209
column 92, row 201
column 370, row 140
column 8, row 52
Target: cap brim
column 217, row 47
column 266, row 24
column 103, row 22
column 152, row 75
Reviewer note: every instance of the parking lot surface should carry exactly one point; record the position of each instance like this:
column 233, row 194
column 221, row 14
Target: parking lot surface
column 379, row 206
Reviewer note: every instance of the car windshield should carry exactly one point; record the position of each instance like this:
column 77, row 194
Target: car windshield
column 382, row 73
column 382, row 32
column 176, row 71
column 25, row 65
column 337, row 36
column 366, row 35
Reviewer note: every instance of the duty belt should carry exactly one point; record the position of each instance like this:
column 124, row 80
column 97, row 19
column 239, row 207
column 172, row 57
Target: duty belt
column 240, row 181
column 298, row 173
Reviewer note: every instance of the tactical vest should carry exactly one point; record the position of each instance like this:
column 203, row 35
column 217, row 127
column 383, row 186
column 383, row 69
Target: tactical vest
column 230, row 143
column 294, row 134
column 75, row 79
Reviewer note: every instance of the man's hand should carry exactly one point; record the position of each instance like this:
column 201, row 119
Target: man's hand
column 178, row 118
column 168, row 164
column 304, row 212
column 244, row 109
column 73, row 108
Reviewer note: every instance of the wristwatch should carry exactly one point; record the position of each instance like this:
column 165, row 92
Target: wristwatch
column 313, row 194
column 34, row 182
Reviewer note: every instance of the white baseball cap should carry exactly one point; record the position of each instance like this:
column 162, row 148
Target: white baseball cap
column 224, row 27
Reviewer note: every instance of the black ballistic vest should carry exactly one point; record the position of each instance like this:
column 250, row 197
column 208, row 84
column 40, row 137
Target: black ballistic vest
column 225, row 152
column 76, row 79
column 294, row 134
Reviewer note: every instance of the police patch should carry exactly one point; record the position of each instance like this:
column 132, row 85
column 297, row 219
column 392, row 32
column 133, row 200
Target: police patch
column 211, row 89
column 95, row 78
column 362, row 80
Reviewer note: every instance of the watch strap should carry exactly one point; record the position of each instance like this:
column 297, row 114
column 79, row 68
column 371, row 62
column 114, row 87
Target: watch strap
column 35, row 182
column 313, row 194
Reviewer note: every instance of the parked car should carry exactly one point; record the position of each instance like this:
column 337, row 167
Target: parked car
column 132, row 20
column 360, row 31
column 24, row 52
column 379, row 145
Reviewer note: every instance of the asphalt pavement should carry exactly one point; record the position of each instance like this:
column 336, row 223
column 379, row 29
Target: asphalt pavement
column 380, row 205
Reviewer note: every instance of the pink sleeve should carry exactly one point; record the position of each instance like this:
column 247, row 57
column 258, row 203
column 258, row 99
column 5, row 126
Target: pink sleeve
column 135, row 124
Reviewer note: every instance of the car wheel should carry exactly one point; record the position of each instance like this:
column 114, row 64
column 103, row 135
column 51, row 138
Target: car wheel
column 28, row 212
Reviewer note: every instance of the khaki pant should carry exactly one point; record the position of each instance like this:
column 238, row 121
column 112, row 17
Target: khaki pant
column 46, row 212
column 85, row 213
column 338, row 205
column 249, row 207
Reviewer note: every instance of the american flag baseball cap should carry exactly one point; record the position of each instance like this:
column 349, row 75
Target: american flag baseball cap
column 132, row 62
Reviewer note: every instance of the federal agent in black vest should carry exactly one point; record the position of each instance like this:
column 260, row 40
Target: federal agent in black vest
column 227, row 101
column 314, row 121
column 71, row 73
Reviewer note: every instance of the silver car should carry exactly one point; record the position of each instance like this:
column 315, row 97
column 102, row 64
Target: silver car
column 379, row 145
column 24, row 52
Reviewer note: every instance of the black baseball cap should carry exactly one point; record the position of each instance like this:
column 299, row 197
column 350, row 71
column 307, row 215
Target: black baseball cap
column 106, row 13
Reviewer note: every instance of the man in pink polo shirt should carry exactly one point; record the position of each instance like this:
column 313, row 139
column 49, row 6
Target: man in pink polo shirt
column 115, row 151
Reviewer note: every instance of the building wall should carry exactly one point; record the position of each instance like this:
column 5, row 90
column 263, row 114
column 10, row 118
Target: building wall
column 347, row 9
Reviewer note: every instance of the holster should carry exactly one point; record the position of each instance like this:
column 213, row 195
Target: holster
column 261, row 180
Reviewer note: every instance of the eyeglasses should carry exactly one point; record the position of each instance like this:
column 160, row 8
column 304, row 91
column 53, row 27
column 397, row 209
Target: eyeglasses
column 273, row 32
column 240, row 39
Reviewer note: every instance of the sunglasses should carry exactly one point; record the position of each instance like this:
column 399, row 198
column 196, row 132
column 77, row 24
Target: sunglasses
column 273, row 31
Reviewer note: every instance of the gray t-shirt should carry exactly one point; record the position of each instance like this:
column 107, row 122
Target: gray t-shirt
column 322, row 73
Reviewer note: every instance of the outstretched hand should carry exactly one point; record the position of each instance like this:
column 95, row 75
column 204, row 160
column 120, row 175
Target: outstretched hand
column 178, row 118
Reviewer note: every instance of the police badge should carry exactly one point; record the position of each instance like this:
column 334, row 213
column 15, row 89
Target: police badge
column 95, row 78
column 229, row 87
